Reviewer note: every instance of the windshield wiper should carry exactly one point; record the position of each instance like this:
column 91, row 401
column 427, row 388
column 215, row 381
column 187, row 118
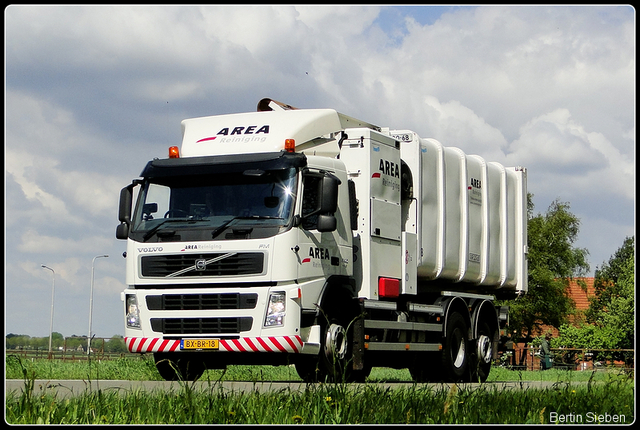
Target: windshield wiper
column 151, row 232
column 225, row 224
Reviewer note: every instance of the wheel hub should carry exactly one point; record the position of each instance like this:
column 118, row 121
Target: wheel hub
column 460, row 355
column 484, row 349
column 335, row 346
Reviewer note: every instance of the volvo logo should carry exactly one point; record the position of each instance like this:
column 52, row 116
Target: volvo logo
column 201, row 264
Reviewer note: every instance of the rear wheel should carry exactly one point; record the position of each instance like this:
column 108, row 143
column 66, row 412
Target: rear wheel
column 455, row 356
column 484, row 353
column 172, row 367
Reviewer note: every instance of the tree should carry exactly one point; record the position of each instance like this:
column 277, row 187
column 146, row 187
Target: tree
column 606, row 284
column 75, row 342
column 116, row 344
column 57, row 340
column 610, row 316
column 17, row 341
column 552, row 261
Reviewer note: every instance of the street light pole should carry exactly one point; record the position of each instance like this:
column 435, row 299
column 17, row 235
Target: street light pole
column 53, row 287
column 91, row 303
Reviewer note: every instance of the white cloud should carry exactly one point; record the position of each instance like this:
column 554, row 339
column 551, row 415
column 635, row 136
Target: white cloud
column 38, row 125
column 50, row 206
column 66, row 273
column 105, row 36
column 457, row 125
column 95, row 194
column 59, row 197
column 512, row 64
column 33, row 242
column 261, row 30
column 339, row 20
column 553, row 140
column 556, row 145
column 108, row 286
column 44, row 147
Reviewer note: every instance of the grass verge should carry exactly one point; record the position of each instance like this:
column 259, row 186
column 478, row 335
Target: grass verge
column 333, row 404
column 606, row 397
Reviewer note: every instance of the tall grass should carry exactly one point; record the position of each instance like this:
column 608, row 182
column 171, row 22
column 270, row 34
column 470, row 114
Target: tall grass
column 612, row 395
column 328, row 404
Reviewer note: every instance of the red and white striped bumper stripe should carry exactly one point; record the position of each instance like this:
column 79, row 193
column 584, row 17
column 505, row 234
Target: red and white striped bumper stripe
column 246, row 344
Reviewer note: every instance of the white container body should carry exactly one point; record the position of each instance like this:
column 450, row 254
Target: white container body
column 471, row 217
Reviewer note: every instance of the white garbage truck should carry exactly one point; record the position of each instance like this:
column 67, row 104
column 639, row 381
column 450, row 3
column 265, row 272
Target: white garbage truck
column 306, row 237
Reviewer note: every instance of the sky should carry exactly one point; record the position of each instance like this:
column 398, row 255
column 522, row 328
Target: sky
column 94, row 92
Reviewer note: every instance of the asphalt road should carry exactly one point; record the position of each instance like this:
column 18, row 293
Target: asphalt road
column 68, row 388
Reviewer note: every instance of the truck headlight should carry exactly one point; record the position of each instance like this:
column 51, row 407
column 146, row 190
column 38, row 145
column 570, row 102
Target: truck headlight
column 132, row 312
column 275, row 309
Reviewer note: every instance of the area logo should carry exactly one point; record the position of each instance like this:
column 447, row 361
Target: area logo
column 387, row 168
column 475, row 183
column 319, row 253
column 238, row 131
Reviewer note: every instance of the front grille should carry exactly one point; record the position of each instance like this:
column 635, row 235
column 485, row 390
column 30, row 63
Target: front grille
column 201, row 325
column 189, row 265
column 171, row 302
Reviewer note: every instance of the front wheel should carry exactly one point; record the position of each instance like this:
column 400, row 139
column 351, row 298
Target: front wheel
column 334, row 361
column 335, row 351
column 331, row 362
column 172, row 367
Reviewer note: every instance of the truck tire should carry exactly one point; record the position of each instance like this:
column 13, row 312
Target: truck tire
column 335, row 346
column 173, row 368
column 337, row 352
column 455, row 355
column 484, row 353
column 330, row 365
column 334, row 361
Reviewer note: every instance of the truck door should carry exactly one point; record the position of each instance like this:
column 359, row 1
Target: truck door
column 320, row 250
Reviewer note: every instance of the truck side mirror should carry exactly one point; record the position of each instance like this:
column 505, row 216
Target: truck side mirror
column 326, row 223
column 124, row 209
column 122, row 231
column 328, row 194
column 328, row 205
column 325, row 200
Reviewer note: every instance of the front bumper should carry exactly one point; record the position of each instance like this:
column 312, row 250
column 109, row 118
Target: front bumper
column 291, row 344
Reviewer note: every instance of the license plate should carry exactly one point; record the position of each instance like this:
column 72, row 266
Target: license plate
column 199, row 344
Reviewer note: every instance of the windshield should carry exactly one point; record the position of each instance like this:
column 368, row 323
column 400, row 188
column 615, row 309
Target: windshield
column 248, row 204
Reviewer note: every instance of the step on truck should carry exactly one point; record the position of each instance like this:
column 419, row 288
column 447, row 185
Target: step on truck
column 310, row 238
